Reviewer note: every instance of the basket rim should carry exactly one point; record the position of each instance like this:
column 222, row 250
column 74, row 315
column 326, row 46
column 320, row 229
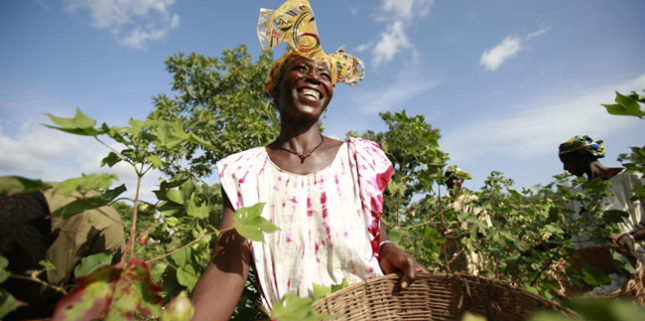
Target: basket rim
column 441, row 275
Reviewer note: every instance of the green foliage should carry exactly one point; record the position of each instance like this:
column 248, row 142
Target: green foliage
column 294, row 308
column 222, row 102
column 179, row 309
column 113, row 293
column 16, row 184
column 596, row 310
column 627, row 105
column 251, row 225
column 412, row 145
column 7, row 303
column 92, row 262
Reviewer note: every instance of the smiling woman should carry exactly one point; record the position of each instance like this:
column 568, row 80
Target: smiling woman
column 325, row 195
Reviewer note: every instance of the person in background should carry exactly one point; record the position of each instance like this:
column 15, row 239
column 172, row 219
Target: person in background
column 461, row 201
column 30, row 234
column 580, row 156
column 325, row 195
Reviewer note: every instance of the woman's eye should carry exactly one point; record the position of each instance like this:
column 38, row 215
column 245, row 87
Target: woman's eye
column 300, row 68
column 326, row 75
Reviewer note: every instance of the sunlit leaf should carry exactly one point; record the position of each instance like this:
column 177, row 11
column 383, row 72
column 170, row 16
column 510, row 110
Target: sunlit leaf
column 179, row 309
column 175, row 196
column 197, row 211
column 294, row 308
column 187, row 276
column 249, row 223
column 626, row 106
column 80, row 124
column 472, row 317
column 47, row 265
column 155, row 161
column 17, row 184
column 320, row 291
column 89, row 182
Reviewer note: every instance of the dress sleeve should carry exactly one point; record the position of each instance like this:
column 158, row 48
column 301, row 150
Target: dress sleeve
column 237, row 174
column 373, row 171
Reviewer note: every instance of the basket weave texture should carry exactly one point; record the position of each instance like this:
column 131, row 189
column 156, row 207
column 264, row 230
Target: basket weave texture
column 438, row 296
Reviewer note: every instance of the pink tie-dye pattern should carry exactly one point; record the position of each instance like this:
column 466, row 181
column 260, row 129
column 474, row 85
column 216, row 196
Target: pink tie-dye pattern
column 371, row 171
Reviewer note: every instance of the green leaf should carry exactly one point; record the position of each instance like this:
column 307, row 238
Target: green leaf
column 180, row 258
column 86, row 183
column 179, row 309
column 84, row 204
column 112, row 194
column 90, row 298
column 8, row 303
column 4, row 274
column 197, row 211
column 155, row 161
column 639, row 193
column 294, row 308
column 614, row 216
column 80, row 124
column 17, row 184
column 92, row 262
column 395, row 236
column 134, row 293
column 472, row 317
column 626, row 106
column 175, row 196
column 187, row 276
column 249, row 223
column 320, row 291
column 339, row 286
column 47, row 265
column 110, row 160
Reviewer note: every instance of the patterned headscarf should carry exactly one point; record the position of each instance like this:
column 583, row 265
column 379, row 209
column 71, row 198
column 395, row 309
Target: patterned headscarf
column 584, row 143
column 294, row 23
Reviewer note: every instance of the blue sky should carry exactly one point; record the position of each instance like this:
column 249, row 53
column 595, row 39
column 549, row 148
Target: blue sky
column 504, row 80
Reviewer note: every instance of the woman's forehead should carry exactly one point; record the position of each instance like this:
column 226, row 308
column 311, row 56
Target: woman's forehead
column 309, row 61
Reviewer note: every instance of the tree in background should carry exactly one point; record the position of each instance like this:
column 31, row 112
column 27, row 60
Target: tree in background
column 222, row 101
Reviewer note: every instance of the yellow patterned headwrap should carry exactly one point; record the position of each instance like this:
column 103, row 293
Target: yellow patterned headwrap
column 584, row 143
column 294, row 23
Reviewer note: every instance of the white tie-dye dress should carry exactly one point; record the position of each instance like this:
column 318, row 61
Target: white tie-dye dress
column 328, row 220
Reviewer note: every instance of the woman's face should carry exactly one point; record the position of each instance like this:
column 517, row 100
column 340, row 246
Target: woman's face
column 574, row 163
column 305, row 89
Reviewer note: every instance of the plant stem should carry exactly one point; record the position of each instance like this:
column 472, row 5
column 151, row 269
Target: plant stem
column 133, row 228
column 116, row 152
column 178, row 249
column 39, row 281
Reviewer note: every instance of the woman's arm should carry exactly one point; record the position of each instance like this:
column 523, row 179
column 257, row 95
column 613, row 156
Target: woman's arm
column 393, row 259
column 220, row 287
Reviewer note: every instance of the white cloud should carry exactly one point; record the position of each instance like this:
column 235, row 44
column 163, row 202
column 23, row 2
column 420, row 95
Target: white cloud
column 541, row 125
column 42, row 153
column 492, row 58
column 407, row 9
column 132, row 22
column 397, row 15
column 393, row 41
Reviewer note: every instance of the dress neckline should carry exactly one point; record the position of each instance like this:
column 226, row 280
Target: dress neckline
column 333, row 161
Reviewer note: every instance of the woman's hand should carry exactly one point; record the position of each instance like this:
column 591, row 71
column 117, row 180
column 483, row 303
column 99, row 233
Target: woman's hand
column 393, row 259
column 624, row 244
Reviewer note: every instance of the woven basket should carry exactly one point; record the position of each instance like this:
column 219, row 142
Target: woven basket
column 438, row 296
